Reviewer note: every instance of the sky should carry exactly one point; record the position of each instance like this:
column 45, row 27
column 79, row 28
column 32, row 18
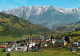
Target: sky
column 9, row 4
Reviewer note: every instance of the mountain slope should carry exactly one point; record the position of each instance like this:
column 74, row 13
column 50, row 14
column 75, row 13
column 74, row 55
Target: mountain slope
column 70, row 27
column 14, row 26
column 47, row 16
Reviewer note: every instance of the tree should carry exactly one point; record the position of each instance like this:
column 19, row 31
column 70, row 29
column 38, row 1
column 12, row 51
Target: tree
column 52, row 38
column 39, row 44
column 76, row 29
column 67, row 39
column 3, row 50
column 8, row 54
column 50, row 45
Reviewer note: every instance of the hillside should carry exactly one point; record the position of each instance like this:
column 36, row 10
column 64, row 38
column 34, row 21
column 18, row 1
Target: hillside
column 75, row 36
column 47, row 16
column 13, row 26
column 70, row 27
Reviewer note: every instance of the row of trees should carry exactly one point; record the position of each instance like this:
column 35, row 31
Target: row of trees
column 77, row 29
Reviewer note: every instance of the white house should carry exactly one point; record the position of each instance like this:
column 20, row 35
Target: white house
column 45, row 45
column 79, row 48
column 53, row 41
column 21, row 48
column 31, row 44
column 48, row 39
column 75, row 44
column 9, row 48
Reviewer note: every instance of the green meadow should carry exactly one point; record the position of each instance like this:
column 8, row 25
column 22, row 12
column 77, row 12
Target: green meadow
column 13, row 39
column 45, row 52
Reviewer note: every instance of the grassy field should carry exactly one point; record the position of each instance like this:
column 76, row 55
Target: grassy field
column 13, row 39
column 48, row 52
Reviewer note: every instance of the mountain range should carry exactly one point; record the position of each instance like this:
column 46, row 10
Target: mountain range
column 47, row 16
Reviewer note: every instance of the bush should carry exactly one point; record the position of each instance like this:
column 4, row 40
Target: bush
column 50, row 45
column 3, row 50
column 8, row 54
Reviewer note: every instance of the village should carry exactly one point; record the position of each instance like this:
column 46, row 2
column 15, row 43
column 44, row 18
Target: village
column 34, row 44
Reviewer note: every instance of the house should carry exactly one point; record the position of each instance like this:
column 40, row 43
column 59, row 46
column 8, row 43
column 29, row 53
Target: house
column 24, row 40
column 60, row 43
column 3, row 46
column 21, row 48
column 9, row 48
column 73, row 50
column 79, row 48
column 31, row 44
column 48, row 39
column 16, row 47
column 36, row 39
column 53, row 41
column 75, row 44
column 42, row 38
column 46, row 45
column 79, row 41
column 16, row 44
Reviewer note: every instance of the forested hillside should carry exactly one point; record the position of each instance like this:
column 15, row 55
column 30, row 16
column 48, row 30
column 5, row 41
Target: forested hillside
column 70, row 27
column 13, row 26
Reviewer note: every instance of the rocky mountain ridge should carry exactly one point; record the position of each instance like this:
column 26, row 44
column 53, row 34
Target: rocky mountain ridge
column 47, row 16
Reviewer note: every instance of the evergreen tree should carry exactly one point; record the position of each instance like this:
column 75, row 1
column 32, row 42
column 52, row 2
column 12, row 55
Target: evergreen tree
column 8, row 54
column 67, row 39
column 76, row 29
column 52, row 38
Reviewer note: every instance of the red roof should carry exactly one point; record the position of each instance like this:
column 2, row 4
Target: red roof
column 3, row 46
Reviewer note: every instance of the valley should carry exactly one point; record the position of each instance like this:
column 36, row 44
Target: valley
column 40, row 30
